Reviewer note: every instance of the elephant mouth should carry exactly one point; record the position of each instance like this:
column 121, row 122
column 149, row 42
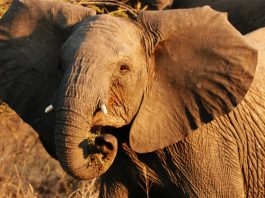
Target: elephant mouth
column 109, row 124
column 120, row 133
column 87, row 146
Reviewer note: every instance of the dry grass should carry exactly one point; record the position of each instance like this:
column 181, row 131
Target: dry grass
column 4, row 4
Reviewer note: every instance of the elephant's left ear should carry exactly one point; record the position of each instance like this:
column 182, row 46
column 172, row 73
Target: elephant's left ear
column 203, row 68
column 31, row 35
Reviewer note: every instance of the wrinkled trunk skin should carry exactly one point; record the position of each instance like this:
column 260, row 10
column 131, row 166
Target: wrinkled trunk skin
column 75, row 144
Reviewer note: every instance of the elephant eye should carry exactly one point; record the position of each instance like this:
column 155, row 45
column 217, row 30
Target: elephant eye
column 124, row 68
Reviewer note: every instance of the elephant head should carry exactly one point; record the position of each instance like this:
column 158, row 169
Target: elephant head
column 162, row 75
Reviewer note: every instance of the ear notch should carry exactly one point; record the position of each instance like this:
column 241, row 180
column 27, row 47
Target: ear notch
column 31, row 35
column 203, row 69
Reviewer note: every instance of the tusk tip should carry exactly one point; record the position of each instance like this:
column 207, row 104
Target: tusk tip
column 49, row 109
column 104, row 109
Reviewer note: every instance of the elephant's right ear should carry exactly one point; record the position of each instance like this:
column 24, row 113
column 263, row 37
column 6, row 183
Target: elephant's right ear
column 203, row 67
column 31, row 35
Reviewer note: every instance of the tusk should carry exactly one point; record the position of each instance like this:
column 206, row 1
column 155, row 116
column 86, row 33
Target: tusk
column 104, row 109
column 49, row 109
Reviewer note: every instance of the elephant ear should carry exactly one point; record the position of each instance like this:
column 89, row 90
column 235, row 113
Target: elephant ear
column 203, row 68
column 31, row 34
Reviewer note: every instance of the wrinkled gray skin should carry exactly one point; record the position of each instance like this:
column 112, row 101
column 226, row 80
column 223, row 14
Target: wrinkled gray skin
column 185, row 101
column 245, row 15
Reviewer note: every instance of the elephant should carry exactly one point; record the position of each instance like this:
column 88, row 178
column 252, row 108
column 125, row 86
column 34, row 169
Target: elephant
column 159, row 105
column 245, row 15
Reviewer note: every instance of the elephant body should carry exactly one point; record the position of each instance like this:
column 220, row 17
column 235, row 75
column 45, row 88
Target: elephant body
column 225, row 158
column 160, row 105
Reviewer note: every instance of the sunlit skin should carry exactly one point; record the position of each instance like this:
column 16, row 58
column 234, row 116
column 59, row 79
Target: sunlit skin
column 161, row 105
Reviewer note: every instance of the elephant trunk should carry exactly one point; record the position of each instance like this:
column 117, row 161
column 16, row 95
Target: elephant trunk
column 82, row 154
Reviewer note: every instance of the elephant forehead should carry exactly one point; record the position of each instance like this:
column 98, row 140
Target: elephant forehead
column 108, row 24
column 107, row 45
column 105, row 38
column 118, row 33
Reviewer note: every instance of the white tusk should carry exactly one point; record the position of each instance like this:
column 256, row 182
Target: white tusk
column 104, row 109
column 49, row 109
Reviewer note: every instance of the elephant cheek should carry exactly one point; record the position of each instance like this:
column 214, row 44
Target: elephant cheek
column 101, row 119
